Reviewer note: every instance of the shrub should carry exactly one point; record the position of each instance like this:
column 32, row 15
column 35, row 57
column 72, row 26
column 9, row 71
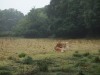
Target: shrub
column 76, row 54
column 90, row 56
column 4, row 68
column 81, row 73
column 27, row 60
column 69, row 69
column 97, row 59
column 4, row 72
column 80, row 63
column 84, row 59
column 22, row 55
column 86, row 54
column 60, row 73
column 43, row 65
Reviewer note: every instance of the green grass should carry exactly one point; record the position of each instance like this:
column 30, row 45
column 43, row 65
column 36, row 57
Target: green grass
column 37, row 57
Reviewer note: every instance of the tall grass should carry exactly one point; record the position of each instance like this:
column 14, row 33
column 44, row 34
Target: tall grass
column 21, row 53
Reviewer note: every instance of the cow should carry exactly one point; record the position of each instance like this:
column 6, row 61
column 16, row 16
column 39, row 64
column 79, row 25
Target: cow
column 61, row 46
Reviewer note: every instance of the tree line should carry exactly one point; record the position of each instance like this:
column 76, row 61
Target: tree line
column 61, row 18
column 9, row 18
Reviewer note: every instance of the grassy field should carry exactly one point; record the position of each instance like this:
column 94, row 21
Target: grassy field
column 20, row 56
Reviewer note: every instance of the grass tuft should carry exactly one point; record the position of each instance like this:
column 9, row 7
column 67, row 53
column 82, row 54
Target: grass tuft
column 22, row 55
column 27, row 60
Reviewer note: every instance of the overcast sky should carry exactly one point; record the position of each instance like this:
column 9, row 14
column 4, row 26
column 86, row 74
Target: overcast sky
column 23, row 5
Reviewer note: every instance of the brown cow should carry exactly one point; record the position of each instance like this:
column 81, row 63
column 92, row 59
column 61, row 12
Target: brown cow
column 61, row 46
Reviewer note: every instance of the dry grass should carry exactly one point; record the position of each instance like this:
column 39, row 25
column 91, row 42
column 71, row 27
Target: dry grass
column 40, row 48
column 10, row 48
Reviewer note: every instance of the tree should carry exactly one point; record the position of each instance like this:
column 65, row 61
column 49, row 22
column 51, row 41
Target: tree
column 35, row 24
column 74, row 18
column 8, row 19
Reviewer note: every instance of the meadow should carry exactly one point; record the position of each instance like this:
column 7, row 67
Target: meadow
column 21, row 56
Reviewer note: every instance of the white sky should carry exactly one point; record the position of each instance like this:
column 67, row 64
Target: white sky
column 23, row 5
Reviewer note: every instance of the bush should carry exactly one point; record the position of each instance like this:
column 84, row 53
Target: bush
column 76, row 54
column 4, row 68
column 83, row 63
column 86, row 54
column 69, row 69
column 22, row 55
column 80, row 64
column 43, row 65
column 4, row 72
column 27, row 60
column 81, row 73
column 97, row 59
column 84, row 59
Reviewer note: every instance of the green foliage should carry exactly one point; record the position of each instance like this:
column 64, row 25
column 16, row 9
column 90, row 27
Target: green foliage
column 69, row 18
column 74, row 18
column 81, row 73
column 27, row 60
column 43, row 64
column 22, row 55
column 80, row 64
column 86, row 54
column 84, row 59
column 77, row 54
column 35, row 24
column 96, row 59
column 8, row 20
column 71, row 65
column 4, row 70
